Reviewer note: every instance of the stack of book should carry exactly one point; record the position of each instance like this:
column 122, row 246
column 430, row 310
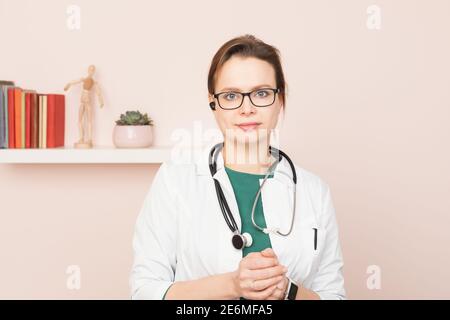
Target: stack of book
column 29, row 119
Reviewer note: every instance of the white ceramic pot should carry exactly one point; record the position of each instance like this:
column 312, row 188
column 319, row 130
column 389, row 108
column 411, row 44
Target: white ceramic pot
column 133, row 136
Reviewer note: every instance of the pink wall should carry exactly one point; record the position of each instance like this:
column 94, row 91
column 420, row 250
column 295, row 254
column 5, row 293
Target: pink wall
column 367, row 111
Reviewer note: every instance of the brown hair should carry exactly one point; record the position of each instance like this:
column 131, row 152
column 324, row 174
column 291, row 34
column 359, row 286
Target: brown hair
column 248, row 46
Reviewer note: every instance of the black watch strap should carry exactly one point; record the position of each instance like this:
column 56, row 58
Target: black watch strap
column 292, row 291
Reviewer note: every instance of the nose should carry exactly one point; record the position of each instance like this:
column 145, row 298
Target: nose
column 247, row 106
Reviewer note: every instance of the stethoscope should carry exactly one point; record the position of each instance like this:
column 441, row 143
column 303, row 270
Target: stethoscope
column 239, row 240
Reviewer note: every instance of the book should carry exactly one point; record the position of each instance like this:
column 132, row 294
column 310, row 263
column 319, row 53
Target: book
column 22, row 120
column 2, row 120
column 26, row 120
column 18, row 116
column 3, row 113
column 40, row 122
column 34, row 115
column 11, row 118
column 55, row 120
column 44, row 121
column 5, row 89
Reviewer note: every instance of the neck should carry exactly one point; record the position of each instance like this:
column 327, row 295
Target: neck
column 247, row 158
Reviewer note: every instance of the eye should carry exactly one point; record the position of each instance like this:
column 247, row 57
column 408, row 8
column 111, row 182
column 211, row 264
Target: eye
column 230, row 96
column 262, row 93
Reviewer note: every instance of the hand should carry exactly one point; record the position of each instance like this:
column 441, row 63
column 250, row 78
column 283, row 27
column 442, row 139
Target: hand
column 67, row 87
column 280, row 291
column 281, row 288
column 258, row 275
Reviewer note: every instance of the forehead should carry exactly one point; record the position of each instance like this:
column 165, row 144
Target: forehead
column 245, row 73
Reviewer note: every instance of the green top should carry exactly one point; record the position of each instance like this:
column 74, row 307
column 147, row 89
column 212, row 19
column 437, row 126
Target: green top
column 245, row 186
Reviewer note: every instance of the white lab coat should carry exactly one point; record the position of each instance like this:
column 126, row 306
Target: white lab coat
column 180, row 233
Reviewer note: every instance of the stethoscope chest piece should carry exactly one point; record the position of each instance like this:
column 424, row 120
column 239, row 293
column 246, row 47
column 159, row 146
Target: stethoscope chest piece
column 242, row 240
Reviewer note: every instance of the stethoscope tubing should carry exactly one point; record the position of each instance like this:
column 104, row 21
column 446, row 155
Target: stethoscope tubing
column 226, row 212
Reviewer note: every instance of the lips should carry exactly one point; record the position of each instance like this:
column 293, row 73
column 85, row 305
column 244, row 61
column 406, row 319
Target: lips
column 249, row 126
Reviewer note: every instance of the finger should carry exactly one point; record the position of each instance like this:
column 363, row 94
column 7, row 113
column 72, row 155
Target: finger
column 259, row 285
column 262, row 295
column 260, row 263
column 272, row 297
column 248, row 284
column 266, row 273
column 276, row 295
column 253, row 255
column 282, row 284
column 268, row 252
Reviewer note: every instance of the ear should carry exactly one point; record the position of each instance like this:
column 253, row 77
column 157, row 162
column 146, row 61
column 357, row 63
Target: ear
column 280, row 101
column 212, row 103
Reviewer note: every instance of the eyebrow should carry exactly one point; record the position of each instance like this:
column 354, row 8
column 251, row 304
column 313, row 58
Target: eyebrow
column 254, row 88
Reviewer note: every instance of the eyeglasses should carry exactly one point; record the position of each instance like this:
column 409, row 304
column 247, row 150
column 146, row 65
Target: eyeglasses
column 230, row 100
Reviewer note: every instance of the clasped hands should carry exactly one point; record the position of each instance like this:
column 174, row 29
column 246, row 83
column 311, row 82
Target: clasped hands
column 260, row 276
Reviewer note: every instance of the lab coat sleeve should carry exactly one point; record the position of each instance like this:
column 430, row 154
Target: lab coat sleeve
column 328, row 282
column 154, row 241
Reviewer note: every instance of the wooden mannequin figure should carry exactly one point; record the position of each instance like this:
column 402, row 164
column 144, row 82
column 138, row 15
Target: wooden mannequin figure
column 85, row 111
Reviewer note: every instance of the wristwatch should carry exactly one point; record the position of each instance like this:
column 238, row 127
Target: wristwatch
column 291, row 291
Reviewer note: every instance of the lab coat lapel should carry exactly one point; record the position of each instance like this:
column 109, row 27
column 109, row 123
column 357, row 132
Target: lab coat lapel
column 222, row 176
column 277, row 199
column 229, row 256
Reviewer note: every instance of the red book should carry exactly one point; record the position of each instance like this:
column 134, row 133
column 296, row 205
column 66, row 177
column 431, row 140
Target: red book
column 34, row 115
column 11, row 120
column 55, row 120
column 18, row 115
column 27, row 120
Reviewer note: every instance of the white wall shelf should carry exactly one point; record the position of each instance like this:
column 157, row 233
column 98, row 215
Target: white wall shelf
column 98, row 154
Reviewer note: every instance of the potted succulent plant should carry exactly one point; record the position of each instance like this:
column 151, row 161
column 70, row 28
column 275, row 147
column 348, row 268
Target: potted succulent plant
column 133, row 130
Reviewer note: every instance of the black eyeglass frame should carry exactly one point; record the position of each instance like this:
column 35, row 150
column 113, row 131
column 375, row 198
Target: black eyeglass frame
column 244, row 94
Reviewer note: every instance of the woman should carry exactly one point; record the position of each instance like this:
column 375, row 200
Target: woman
column 227, row 229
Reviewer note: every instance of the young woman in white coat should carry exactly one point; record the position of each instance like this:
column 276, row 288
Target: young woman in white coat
column 244, row 221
